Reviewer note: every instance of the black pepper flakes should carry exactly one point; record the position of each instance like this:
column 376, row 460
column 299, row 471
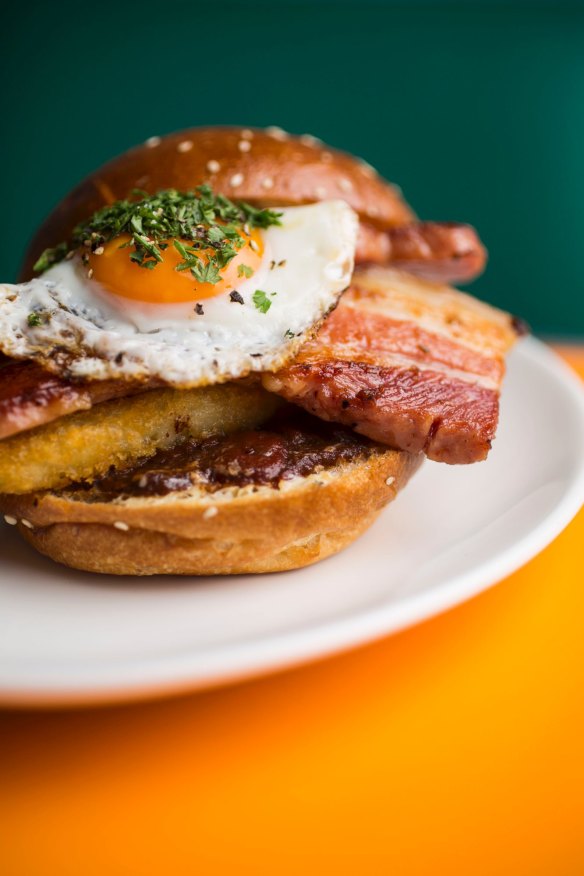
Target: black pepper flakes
column 199, row 309
column 235, row 296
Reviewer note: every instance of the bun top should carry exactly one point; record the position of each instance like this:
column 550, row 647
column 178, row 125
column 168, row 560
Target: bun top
column 265, row 167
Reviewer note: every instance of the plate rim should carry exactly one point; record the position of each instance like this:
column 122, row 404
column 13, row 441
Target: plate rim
column 149, row 678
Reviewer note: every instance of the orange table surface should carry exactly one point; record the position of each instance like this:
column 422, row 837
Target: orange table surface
column 456, row 747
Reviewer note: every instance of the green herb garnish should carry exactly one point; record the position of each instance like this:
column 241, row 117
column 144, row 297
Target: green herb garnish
column 244, row 271
column 257, row 217
column 210, row 223
column 35, row 318
column 50, row 257
column 206, row 273
column 261, row 301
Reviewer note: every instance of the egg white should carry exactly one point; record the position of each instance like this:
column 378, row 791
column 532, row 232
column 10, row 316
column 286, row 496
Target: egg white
column 86, row 332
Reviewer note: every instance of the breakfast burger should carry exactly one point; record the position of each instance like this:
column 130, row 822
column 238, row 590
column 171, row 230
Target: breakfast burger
column 228, row 351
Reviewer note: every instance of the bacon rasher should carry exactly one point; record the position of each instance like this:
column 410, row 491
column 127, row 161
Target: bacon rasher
column 445, row 252
column 30, row 396
column 412, row 364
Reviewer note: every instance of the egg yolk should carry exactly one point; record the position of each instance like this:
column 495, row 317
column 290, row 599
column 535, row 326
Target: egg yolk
column 164, row 284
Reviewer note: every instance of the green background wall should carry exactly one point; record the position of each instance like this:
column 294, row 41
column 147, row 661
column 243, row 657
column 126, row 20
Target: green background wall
column 476, row 109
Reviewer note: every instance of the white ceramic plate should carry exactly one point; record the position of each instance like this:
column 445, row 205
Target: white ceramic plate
column 69, row 636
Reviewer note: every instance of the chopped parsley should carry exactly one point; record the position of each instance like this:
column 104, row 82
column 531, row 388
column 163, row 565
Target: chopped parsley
column 35, row 318
column 51, row 257
column 212, row 224
column 261, row 301
column 244, row 271
column 206, row 273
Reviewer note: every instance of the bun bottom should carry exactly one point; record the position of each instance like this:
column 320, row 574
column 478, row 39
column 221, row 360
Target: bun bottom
column 95, row 548
column 229, row 532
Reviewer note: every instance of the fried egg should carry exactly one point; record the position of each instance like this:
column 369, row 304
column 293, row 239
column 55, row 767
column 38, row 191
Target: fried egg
column 110, row 318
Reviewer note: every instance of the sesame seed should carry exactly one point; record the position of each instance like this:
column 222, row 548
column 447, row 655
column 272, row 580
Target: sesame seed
column 246, row 134
column 277, row 133
column 151, row 142
column 90, row 273
column 267, row 182
column 99, row 251
column 345, row 184
column 119, row 524
column 309, row 140
column 244, row 145
column 209, row 512
column 11, row 521
column 246, row 229
column 253, row 246
column 27, row 523
column 389, row 481
column 236, row 180
column 366, row 169
column 326, row 157
column 213, row 166
column 185, row 146
column 142, row 482
column 320, row 192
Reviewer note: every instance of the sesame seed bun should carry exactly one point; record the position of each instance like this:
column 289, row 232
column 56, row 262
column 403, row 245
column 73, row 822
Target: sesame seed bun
column 226, row 532
column 267, row 167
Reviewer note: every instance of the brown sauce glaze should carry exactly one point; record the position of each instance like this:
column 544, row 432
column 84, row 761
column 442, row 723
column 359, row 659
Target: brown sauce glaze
column 292, row 444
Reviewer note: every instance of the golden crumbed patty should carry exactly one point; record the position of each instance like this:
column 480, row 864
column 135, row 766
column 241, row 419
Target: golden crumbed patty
column 114, row 433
